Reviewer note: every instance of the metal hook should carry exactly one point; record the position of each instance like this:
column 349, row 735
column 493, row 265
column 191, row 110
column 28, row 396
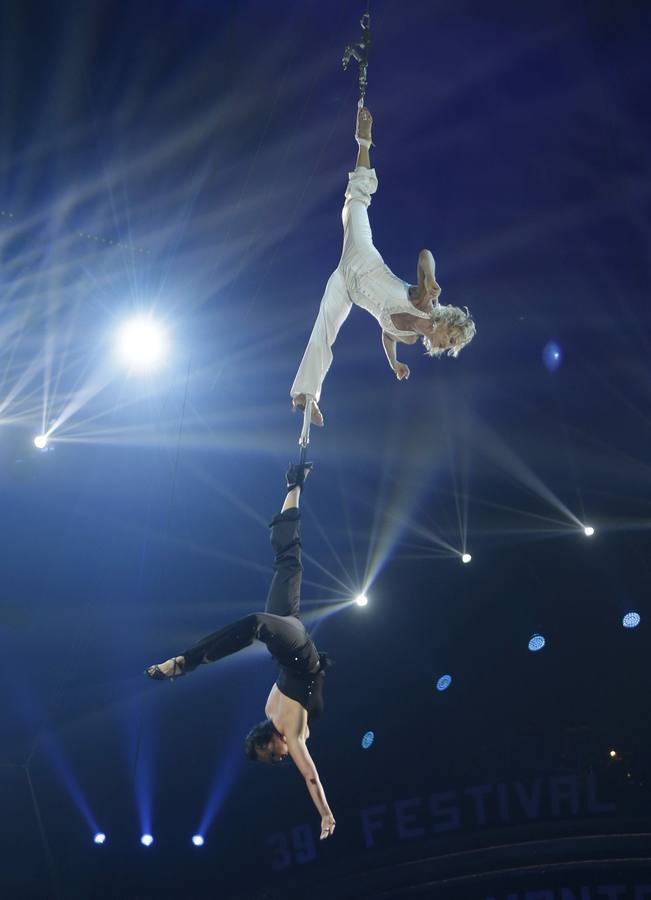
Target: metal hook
column 359, row 52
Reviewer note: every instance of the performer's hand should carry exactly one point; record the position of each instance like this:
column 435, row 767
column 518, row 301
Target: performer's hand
column 402, row 371
column 327, row 826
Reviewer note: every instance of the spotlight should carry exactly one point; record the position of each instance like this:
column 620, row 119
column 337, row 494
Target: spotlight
column 142, row 343
column 197, row 840
column 631, row 620
column 612, row 754
column 444, row 682
column 536, row 642
column 40, row 442
column 588, row 530
column 465, row 557
column 367, row 740
column 552, row 356
column 361, row 600
column 146, row 840
column 100, row 838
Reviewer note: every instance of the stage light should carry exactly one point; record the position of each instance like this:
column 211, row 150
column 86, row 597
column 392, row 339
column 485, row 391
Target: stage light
column 612, row 754
column 197, row 840
column 552, row 356
column 40, row 442
column 142, row 343
column 444, row 682
column 465, row 557
column 536, row 642
column 100, row 838
column 147, row 840
column 367, row 740
column 361, row 600
column 588, row 530
column 631, row 620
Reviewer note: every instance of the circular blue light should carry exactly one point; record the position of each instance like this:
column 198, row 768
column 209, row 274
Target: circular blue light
column 552, row 356
column 147, row 840
column 99, row 838
column 197, row 840
column 367, row 740
column 444, row 682
column 631, row 620
column 536, row 642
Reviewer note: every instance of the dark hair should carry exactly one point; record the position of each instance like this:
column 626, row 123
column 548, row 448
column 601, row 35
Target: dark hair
column 258, row 737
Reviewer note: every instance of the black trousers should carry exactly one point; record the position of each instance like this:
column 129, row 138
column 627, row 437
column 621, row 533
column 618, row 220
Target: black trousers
column 278, row 626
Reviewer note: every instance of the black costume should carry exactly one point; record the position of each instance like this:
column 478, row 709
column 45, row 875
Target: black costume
column 302, row 667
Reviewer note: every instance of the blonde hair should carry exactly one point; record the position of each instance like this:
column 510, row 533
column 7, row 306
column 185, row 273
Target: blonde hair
column 458, row 325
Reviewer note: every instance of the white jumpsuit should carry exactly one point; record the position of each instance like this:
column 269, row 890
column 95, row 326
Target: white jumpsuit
column 362, row 278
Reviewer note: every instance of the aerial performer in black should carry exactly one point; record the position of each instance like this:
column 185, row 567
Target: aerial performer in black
column 297, row 695
column 405, row 312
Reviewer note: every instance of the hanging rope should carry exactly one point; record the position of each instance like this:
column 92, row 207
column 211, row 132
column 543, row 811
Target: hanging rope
column 359, row 52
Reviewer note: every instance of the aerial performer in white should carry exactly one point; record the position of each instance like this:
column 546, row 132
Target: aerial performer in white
column 405, row 312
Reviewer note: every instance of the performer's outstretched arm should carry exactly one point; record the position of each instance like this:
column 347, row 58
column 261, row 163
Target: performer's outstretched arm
column 305, row 765
column 389, row 344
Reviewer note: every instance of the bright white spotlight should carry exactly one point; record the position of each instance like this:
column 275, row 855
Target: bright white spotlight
column 588, row 531
column 465, row 557
column 142, row 343
column 40, row 442
column 361, row 600
column 100, row 838
column 147, row 840
column 197, row 840
column 631, row 619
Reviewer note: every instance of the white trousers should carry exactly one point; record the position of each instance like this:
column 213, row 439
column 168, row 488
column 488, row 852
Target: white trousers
column 358, row 256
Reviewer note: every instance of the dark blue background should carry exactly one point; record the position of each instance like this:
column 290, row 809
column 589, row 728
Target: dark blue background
column 190, row 158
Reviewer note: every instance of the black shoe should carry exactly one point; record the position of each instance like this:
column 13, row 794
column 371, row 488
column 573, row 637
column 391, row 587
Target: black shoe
column 297, row 473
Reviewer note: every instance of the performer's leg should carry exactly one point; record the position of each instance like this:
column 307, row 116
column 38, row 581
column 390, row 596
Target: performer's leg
column 284, row 597
column 359, row 253
column 333, row 311
column 363, row 128
column 278, row 626
column 282, row 635
column 221, row 643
